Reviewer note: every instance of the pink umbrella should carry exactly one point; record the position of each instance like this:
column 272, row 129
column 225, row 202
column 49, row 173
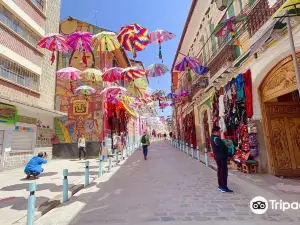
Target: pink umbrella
column 54, row 42
column 159, row 36
column 132, row 73
column 156, row 70
column 113, row 91
column 112, row 74
column 69, row 73
column 80, row 41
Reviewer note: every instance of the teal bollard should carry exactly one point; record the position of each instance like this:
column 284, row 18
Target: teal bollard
column 198, row 154
column 101, row 166
column 192, row 151
column 206, row 158
column 87, row 174
column 109, row 163
column 65, row 185
column 117, row 157
column 187, row 148
column 31, row 204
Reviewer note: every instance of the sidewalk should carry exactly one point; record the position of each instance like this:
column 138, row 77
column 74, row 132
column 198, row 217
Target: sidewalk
column 286, row 189
column 14, row 188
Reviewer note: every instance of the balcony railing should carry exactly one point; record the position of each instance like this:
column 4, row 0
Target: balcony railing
column 260, row 14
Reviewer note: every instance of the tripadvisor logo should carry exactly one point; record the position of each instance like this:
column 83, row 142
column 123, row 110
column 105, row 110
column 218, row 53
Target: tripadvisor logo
column 260, row 205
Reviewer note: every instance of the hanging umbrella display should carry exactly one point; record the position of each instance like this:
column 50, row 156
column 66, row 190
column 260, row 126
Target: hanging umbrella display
column 157, row 93
column 160, row 36
column 163, row 105
column 185, row 93
column 156, row 70
column 80, row 41
column 186, row 64
column 112, row 74
column 133, row 38
column 171, row 96
column 228, row 25
column 137, row 87
column 113, row 91
column 127, row 99
column 69, row 73
column 54, row 42
column 200, row 70
column 92, row 74
column 85, row 90
column 105, row 41
column 112, row 99
column 132, row 73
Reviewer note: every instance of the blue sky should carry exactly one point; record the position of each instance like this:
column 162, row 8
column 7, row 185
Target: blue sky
column 152, row 14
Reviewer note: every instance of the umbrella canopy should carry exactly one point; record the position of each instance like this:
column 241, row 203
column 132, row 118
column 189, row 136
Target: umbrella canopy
column 132, row 73
column 187, row 62
column 171, row 96
column 54, row 42
column 287, row 6
column 160, row 36
column 200, row 70
column 80, row 41
column 113, row 91
column 127, row 99
column 133, row 38
column 86, row 90
column 156, row 70
column 158, row 93
column 137, row 87
column 228, row 24
column 69, row 73
column 105, row 41
column 112, row 74
column 92, row 74
column 112, row 99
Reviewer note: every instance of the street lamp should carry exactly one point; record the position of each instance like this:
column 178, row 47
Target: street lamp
column 221, row 4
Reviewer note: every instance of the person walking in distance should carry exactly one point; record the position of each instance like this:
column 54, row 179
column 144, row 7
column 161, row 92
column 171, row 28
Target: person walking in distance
column 145, row 143
column 81, row 146
column 220, row 151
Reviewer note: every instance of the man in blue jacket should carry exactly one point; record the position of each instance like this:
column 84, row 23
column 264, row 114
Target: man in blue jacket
column 221, row 155
column 34, row 166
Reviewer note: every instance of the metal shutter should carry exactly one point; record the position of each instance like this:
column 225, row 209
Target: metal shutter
column 22, row 140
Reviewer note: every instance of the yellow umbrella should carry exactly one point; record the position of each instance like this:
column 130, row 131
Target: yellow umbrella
column 92, row 74
column 288, row 5
column 126, row 99
column 105, row 41
column 137, row 87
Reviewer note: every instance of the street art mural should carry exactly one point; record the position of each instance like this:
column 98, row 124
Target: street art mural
column 84, row 112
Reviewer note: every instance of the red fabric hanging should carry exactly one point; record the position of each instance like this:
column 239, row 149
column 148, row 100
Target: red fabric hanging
column 248, row 93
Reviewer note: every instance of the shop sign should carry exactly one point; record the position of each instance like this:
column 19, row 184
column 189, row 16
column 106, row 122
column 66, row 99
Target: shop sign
column 8, row 113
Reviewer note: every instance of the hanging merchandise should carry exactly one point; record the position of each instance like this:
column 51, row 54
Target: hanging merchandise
column 248, row 93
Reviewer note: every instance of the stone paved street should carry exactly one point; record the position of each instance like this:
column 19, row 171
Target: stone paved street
column 169, row 187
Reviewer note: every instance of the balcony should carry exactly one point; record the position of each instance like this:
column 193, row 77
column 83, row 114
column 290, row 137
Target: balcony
column 259, row 15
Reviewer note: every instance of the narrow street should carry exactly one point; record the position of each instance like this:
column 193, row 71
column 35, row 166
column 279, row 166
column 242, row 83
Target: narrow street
column 168, row 187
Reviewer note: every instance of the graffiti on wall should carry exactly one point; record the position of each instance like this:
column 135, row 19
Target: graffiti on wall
column 84, row 112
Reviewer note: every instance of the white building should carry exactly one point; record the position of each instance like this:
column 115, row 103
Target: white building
column 27, row 80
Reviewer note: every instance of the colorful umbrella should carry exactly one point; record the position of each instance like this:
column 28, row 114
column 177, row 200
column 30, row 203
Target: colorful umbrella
column 127, row 99
column 228, row 24
column 105, row 41
column 187, row 63
column 92, row 74
column 185, row 93
column 113, row 99
column 132, row 73
column 112, row 74
column 86, row 90
column 69, row 73
column 201, row 70
column 171, row 96
column 133, row 38
column 156, row 70
column 114, row 91
column 158, row 37
column 80, row 41
column 158, row 93
column 163, row 105
column 137, row 87
column 54, row 42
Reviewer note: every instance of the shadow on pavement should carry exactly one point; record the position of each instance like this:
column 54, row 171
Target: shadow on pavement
column 40, row 187
column 20, row 203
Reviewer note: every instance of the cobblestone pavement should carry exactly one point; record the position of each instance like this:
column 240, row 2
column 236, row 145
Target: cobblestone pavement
column 169, row 187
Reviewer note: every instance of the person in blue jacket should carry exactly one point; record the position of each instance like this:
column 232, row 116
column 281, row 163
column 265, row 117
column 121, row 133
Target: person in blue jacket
column 34, row 166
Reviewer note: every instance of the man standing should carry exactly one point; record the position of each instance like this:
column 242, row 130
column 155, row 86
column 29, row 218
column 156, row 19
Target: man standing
column 145, row 143
column 221, row 155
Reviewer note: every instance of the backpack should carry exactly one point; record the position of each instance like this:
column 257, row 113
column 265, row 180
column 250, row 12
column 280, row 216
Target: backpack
column 144, row 140
column 230, row 149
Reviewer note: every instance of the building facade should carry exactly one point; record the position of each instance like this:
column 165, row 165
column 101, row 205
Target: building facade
column 27, row 80
column 259, row 49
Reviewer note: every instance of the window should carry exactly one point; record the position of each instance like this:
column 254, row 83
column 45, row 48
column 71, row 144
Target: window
column 39, row 3
column 17, row 26
column 17, row 74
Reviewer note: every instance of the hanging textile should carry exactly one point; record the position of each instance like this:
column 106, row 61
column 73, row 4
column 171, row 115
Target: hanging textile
column 248, row 93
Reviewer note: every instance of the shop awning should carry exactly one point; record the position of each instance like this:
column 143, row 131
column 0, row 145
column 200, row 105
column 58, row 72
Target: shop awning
column 289, row 5
column 127, row 108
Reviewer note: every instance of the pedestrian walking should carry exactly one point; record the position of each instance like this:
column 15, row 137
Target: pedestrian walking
column 82, row 147
column 34, row 166
column 220, row 151
column 145, row 143
column 165, row 136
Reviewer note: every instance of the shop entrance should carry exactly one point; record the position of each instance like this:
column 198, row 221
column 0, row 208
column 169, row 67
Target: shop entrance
column 281, row 119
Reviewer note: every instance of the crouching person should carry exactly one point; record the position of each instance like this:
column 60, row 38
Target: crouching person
column 34, row 166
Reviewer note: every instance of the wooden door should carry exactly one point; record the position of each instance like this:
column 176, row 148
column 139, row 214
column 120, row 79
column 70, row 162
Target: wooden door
column 283, row 121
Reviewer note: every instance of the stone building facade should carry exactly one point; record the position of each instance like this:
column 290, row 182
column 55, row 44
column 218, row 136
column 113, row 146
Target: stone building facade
column 27, row 80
